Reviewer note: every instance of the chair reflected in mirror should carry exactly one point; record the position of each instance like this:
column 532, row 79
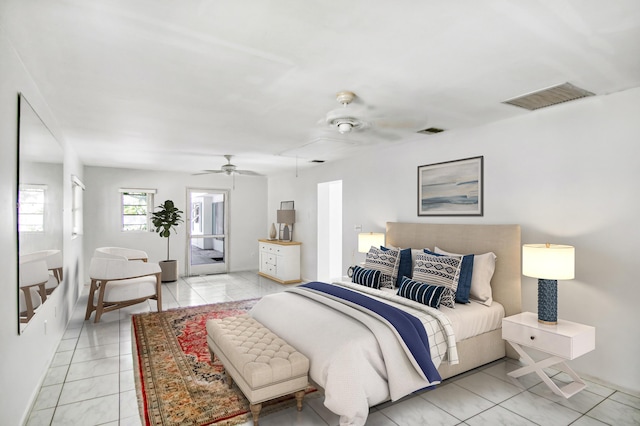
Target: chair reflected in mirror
column 53, row 259
column 34, row 275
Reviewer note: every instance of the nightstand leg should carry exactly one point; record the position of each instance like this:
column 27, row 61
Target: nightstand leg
column 532, row 366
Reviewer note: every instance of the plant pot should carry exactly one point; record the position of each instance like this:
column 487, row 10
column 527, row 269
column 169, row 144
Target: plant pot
column 169, row 270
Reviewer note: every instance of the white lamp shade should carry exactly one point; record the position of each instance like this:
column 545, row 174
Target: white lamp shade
column 548, row 261
column 368, row 239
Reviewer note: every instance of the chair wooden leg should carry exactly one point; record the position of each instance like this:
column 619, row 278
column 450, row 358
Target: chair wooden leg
column 90, row 306
column 159, row 291
column 299, row 398
column 255, row 410
column 100, row 304
column 29, row 302
column 43, row 291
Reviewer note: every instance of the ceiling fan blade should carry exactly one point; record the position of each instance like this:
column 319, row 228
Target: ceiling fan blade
column 206, row 172
column 247, row 173
column 400, row 122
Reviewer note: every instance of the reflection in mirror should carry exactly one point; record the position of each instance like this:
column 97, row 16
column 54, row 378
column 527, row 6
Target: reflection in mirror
column 40, row 220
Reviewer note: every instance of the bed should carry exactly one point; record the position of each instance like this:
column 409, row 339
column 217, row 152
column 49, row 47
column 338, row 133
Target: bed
column 350, row 362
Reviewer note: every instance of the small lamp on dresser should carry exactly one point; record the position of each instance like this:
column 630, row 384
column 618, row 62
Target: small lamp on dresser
column 549, row 263
column 287, row 218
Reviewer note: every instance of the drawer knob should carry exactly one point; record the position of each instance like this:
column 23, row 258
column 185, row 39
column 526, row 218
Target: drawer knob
column 533, row 337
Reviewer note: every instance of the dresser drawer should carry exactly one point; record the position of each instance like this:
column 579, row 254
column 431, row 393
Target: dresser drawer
column 551, row 343
column 270, row 258
column 270, row 270
column 265, row 247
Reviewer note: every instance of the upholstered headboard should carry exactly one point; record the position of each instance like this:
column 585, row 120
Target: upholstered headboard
column 503, row 240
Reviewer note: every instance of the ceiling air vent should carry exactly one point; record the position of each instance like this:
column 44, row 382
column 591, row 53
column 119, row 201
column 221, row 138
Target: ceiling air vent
column 430, row 131
column 549, row 96
column 316, row 161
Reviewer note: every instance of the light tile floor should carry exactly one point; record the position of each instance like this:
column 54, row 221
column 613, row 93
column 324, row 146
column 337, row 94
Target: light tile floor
column 90, row 380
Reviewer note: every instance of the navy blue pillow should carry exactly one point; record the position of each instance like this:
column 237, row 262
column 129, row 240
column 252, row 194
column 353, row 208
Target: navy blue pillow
column 366, row 277
column 424, row 293
column 405, row 269
column 464, row 281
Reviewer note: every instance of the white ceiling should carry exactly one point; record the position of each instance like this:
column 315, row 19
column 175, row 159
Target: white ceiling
column 167, row 84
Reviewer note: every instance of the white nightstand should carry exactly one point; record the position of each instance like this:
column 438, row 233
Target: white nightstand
column 563, row 341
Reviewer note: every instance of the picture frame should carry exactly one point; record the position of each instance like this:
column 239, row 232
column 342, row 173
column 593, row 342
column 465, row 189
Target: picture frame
column 286, row 205
column 451, row 188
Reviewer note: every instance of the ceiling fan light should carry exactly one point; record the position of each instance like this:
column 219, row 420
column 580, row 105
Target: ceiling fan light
column 344, row 127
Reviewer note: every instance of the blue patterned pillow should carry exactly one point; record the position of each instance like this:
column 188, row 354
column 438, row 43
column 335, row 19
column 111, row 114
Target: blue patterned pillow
column 366, row 277
column 405, row 268
column 439, row 270
column 385, row 261
column 466, row 273
column 430, row 295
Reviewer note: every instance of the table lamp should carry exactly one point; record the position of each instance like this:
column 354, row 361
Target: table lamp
column 288, row 218
column 365, row 241
column 549, row 263
column 368, row 239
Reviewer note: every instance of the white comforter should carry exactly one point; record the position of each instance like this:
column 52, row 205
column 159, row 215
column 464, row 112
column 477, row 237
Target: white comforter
column 346, row 358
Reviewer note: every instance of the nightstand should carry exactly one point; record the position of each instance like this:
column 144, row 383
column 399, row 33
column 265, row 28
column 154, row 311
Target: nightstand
column 563, row 341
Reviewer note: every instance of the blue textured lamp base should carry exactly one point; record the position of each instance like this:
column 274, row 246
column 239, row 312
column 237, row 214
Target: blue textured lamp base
column 547, row 301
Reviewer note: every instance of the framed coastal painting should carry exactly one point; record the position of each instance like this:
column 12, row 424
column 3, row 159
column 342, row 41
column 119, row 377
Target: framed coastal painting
column 451, row 188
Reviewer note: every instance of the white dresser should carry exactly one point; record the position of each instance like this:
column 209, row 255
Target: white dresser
column 280, row 260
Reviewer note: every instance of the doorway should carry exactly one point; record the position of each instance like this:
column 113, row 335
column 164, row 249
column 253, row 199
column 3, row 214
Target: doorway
column 329, row 231
column 207, row 238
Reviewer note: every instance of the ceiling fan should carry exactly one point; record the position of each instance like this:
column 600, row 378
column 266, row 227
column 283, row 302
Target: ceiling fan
column 351, row 126
column 351, row 118
column 230, row 169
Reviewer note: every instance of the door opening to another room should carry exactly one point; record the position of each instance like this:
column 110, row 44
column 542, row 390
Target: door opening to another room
column 329, row 231
column 207, row 238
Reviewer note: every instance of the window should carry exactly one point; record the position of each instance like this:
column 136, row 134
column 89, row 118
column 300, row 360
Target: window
column 31, row 200
column 137, row 206
column 76, row 205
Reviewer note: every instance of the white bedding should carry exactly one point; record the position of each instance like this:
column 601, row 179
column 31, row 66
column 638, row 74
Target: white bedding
column 346, row 359
column 473, row 319
column 470, row 319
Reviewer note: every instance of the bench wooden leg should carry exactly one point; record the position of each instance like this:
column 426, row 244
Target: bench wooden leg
column 229, row 380
column 299, row 398
column 255, row 410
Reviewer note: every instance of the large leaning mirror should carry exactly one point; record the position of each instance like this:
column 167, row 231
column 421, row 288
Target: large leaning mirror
column 39, row 210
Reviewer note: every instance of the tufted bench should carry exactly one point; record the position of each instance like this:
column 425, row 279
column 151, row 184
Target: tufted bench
column 263, row 365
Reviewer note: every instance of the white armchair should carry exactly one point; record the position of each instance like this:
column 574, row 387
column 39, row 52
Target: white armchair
column 53, row 258
column 33, row 277
column 129, row 254
column 117, row 282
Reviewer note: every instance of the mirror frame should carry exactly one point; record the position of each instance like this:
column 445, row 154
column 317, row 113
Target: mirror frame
column 37, row 146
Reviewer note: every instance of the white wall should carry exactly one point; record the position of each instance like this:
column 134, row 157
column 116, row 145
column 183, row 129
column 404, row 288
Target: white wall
column 24, row 359
column 247, row 222
column 567, row 174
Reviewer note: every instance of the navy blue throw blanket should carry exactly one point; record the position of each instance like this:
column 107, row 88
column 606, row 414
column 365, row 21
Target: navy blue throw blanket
column 408, row 326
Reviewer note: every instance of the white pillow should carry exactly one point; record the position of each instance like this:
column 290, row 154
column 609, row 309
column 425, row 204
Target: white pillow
column 484, row 266
column 414, row 253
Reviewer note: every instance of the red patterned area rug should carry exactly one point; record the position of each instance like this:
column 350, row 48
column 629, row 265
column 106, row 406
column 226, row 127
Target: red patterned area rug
column 176, row 382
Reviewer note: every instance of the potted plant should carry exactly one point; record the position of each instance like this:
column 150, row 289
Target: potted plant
column 165, row 219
